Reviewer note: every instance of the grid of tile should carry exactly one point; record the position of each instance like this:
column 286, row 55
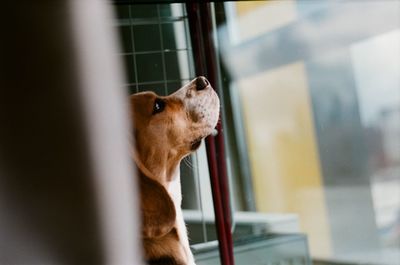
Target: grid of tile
column 155, row 47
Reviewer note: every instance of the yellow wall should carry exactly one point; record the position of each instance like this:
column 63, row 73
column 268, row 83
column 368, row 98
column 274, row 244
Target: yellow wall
column 245, row 7
column 283, row 150
column 257, row 18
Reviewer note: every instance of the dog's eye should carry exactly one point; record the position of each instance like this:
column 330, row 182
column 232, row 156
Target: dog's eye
column 159, row 106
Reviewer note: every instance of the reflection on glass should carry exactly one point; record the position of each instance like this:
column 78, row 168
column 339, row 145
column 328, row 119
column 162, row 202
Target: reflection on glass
column 376, row 70
column 319, row 87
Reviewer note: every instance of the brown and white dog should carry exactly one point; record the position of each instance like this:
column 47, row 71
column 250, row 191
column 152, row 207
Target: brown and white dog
column 166, row 129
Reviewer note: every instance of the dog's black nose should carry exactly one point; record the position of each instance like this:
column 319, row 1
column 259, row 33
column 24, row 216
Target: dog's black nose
column 201, row 83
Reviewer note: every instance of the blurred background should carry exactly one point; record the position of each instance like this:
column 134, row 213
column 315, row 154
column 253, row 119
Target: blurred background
column 319, row 87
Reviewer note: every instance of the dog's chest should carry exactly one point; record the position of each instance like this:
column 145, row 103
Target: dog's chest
column 174, row 189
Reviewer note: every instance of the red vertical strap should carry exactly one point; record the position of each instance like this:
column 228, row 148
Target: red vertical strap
column 220, row 219
column 210, row 55
column 200, row 23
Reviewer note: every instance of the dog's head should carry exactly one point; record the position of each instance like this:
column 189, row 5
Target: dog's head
column 169, row 128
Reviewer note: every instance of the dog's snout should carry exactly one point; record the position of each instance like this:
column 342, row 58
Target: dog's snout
column 201, row 83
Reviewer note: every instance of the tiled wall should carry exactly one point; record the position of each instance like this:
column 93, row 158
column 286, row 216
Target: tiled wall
column 155, row 47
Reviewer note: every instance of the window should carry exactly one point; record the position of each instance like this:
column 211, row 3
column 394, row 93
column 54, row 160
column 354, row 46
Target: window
column 311, row 116
column 315, row 88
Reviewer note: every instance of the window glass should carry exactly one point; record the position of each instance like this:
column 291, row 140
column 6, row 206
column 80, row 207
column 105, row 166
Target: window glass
column 314, row 94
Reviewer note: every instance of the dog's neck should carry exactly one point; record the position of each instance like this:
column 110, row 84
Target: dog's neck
column 162, row 166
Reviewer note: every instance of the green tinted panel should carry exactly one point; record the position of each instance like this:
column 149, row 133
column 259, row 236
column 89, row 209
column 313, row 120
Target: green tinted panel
column 156, row 88
column 144, row 11
column 125, row 38
column 174, row 86
column 122, row 11
column 151, row 68
column 165, row 10
column 147, row 38
column 129, row 68
column 170, row 40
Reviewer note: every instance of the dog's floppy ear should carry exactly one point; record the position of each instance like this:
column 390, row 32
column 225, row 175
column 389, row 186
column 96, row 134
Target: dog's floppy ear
column 158, row 210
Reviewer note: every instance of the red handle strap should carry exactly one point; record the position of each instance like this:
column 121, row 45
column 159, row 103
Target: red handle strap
column 199, row 16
